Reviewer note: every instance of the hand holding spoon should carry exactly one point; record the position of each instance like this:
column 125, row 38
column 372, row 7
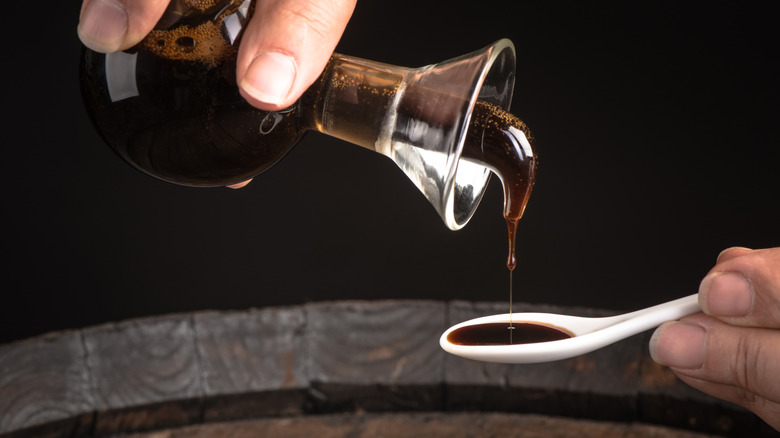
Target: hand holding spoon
column 578, row 335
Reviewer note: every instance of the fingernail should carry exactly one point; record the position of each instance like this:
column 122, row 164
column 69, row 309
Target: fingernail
column 679, row 345
column 103, row 25
column 270, row 77
column 726, row 294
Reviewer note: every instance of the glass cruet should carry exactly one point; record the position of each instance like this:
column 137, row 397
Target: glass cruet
column 170, row 106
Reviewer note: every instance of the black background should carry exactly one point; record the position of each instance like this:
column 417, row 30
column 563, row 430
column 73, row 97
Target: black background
column 655, row 125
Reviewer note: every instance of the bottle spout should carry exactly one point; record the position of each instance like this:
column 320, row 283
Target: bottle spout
column 431, row 123
column 420, row 118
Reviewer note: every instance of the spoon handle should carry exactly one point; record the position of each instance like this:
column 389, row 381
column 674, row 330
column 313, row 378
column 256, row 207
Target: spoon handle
column 651, row 317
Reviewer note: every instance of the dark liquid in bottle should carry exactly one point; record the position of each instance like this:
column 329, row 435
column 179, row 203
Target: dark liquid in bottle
column 502, row 333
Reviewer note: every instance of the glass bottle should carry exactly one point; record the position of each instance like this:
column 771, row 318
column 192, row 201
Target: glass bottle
column 170, row 106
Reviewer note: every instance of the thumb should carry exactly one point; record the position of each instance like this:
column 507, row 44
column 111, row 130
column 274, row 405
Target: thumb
column 113, row 25
column 737, row 364
column 286, row 46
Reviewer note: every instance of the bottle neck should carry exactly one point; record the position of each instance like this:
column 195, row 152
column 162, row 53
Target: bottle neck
column 353, row 100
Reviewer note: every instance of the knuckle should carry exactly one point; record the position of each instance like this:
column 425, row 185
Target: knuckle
column 730, row 253
column 750, row 366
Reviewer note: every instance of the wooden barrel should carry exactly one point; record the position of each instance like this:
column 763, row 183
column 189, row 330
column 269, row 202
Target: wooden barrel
column 336, row 369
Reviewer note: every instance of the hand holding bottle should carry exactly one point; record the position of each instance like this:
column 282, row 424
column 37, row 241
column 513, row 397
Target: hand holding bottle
column 284, row 49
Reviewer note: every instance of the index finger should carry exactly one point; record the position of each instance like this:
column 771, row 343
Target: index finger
column 113, row 25
column 744, row 288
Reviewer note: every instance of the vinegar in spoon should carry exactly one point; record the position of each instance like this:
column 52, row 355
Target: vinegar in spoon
column 494, row 333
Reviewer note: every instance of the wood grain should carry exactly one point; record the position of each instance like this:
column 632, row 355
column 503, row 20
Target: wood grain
column 376, row 356
column 44, row 381
column 253, row 362
column 137, row 367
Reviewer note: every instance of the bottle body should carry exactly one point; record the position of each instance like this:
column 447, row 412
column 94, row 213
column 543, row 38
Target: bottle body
column 170, row 106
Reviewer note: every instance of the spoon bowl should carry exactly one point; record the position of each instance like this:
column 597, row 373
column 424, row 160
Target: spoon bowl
column 588, row 334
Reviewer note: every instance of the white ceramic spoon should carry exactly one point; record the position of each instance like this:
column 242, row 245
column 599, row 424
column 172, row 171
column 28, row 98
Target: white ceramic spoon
column 589, row 333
